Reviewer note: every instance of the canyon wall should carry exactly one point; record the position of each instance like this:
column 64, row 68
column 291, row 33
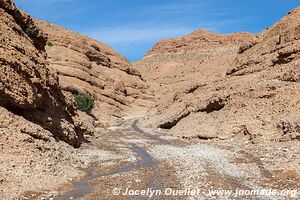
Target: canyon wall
column 85, row 65
column 227, row 86
column 27, row 87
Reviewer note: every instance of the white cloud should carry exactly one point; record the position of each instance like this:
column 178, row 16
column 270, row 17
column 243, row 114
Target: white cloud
column 137, row 35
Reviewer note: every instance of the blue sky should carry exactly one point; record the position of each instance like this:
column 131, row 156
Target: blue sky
column 132, row 26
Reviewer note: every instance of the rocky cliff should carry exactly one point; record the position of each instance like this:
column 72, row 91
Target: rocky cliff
column 188, row 60
column 27, row 87
column 199, row 40
column 89, row 66
column 228, row 86
column 37, row 118
column 276, row 47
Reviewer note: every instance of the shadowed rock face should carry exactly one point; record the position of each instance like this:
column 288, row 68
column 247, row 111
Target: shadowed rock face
column 86, row 65
column 223, row 86
column 27, row 88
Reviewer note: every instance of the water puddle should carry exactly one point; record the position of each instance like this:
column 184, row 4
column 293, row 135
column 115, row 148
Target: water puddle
column 82, row 188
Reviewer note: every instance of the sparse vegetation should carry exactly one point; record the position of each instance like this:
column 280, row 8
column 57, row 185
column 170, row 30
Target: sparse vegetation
column 50, row 44
column 29, row 31
column 84, row 102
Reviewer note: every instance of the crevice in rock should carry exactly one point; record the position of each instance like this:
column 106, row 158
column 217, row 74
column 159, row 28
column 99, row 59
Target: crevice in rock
column 115, row 99
column 290, row 76
column 15, row 110
column 202, row 137
column 133, row 72
column 238, row 70
column 283, row 58
column 99, row 58
column 194, row 88
column 247, row 45
column 92, row 83
column 214, row 105
column 171, row 123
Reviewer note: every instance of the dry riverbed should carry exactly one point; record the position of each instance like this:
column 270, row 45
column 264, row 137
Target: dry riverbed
column 134, row 163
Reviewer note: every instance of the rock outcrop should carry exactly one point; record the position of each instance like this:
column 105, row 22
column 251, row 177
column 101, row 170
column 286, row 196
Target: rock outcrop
column 39, row 123
column 30, row 157
column 277, row 46
column 27, row 87
column 88, row 66
column 186, row 61
column 231, row 86
column 199, row 40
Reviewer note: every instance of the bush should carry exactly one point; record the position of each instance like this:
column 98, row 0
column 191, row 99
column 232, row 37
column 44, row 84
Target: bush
column 29, row 31
column 50, row 44
column 84, row 102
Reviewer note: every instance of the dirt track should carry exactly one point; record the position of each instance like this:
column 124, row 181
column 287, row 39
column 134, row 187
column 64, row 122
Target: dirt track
column 140, row 159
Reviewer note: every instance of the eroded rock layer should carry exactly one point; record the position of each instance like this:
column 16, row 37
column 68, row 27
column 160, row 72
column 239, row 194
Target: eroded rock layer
column 86, row 65
column 228, row 86
column 27, row 88
column 37, row 118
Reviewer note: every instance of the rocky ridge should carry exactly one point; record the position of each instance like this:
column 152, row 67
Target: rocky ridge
column 239, row 88
column 27, row 87
column 89, row 66
column 199, row 40
column 40, row 125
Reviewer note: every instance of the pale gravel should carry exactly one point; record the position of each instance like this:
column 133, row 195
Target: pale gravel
column 192, row 163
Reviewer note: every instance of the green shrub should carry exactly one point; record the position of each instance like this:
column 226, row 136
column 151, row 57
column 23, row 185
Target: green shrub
column 84, row 102
column 50, row 44
column 29, row 31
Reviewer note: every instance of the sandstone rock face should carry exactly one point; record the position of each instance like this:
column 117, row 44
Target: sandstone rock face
column 37, row 118
column 30, row 156
column 88, row 66
column 200, row 40
column 242, row 86
column 27, row 88
column 275, row 47
column 190, row 60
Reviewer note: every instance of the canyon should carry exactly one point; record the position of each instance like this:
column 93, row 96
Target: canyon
column 203, row 110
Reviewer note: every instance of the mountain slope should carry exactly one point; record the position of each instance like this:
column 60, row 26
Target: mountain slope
column 245, row 87
column 37, row 118
column 27, row 88
column 187, row 61
column 86, row 65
